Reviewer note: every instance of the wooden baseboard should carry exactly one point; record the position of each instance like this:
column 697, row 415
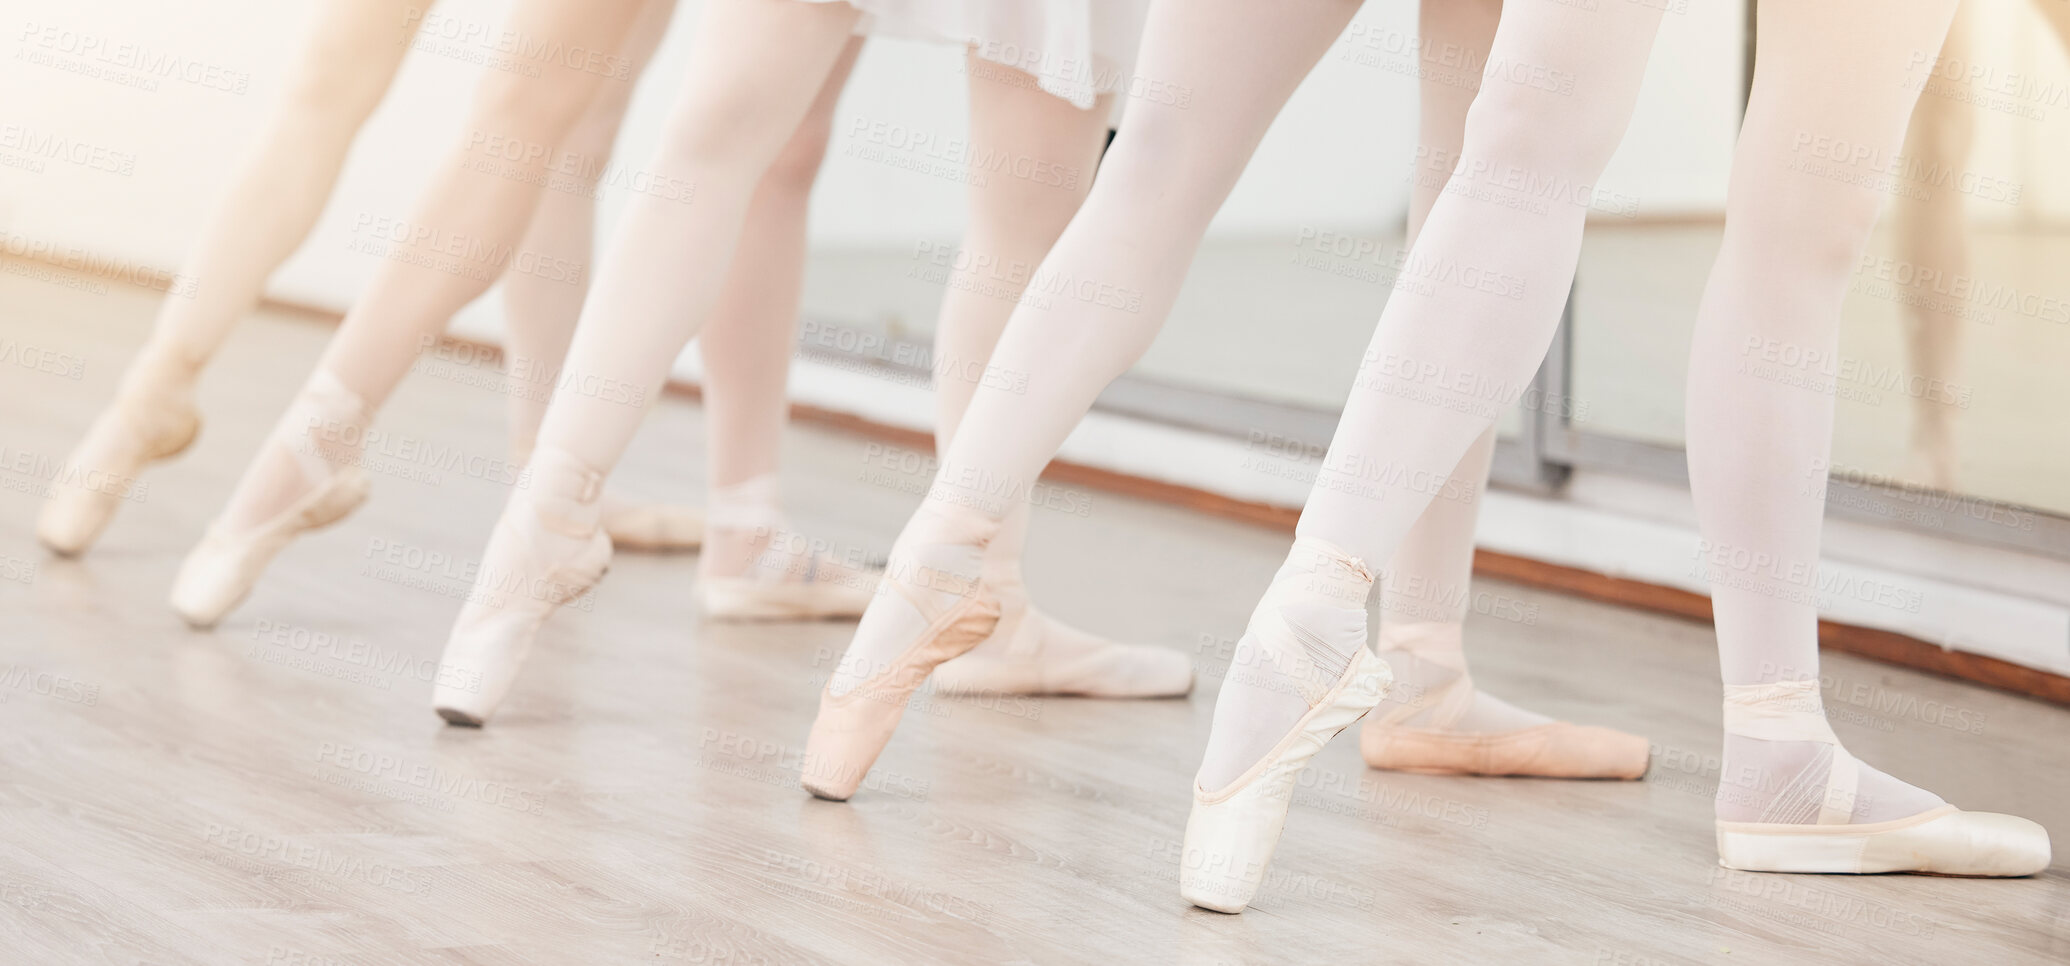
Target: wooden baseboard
column 1887, row 646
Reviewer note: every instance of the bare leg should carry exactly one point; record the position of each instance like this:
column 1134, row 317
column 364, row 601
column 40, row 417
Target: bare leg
column 349, row 59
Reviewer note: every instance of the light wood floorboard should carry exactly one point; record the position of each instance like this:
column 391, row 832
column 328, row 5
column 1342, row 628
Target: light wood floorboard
column 248, row 796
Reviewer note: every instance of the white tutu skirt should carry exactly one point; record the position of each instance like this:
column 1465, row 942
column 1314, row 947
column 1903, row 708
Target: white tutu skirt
column 1076, row 49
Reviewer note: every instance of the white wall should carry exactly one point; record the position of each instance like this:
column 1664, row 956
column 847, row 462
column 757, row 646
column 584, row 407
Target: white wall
column 1334, row 158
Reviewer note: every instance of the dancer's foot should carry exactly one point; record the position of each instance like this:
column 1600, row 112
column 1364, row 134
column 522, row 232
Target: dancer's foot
column 548, row 548
column 1302, row 674
column 306, row 478
column 652, row 527
column 1791, row 799
column 756, row 568
column 1436, row 722
column 1031, row 652
column 931, row 605
column 151, row 418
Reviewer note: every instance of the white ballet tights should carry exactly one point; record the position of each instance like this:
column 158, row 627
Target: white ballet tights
column 1828, row 111
column 352, row 51
column 354, row 48
column 754, row 71
column 1096, row 300
column 1012, row 224
column 1105, row 288
column 1426, row 586
column 479, row 202
column 1932, row 232
column 747, row 345
column 1474, row 307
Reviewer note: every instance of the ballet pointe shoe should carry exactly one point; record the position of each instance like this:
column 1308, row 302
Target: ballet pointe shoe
column 782, row 587
column 1556, row 750
column 1940, row 841
column 221, row 570
column 853, row 727
column 1023, row 657
column 1438, row 743
column 148, row 421
column 1233, row 830
column 653, row 527
column 527, row 573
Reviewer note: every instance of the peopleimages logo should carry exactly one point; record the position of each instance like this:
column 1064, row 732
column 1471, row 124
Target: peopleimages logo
column 79, row 48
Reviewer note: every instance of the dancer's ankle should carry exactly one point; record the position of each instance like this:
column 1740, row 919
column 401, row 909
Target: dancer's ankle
column 1432, row 686
column 564, row 492
column 1784, row 765
column 742, row 524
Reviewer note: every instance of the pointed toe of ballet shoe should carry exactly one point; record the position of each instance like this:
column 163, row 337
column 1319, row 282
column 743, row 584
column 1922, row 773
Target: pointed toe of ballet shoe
column 488, row 647
column 847, row 736
column 463, row 698
column 71, row 521
column 458, row 718
column 1232, row 833
column 74, row 516
column 654, row 527
column 1555, row 750
column 1943, row 841
column 209, row 585
column 853, row 727
column 1229, row 843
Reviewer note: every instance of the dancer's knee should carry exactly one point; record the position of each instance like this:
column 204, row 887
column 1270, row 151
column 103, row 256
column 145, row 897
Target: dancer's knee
column 797, row 166
column 1168, row 169
column 1514, row 127
column 540, row 112
column 333, row 84
column 725, row 135
column 1801, row 226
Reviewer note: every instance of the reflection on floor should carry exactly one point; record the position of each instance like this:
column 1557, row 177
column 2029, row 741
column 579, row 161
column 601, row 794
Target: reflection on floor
column 278, row 791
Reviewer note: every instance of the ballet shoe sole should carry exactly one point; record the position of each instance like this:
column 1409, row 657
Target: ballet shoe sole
column 761, row 604
column 1945, row 842
column 458, row 718
column 636, row 545
column 952, row 687
column 1523, row 753
column 637, row 539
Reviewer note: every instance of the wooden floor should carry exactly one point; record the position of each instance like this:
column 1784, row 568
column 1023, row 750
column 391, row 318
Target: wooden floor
column 279, row 792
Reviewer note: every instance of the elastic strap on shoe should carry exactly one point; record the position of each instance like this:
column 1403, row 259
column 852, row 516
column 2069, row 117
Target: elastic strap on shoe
column 1793, row 711
column 324, row 425
column 565, row 493
column 1436, row 643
